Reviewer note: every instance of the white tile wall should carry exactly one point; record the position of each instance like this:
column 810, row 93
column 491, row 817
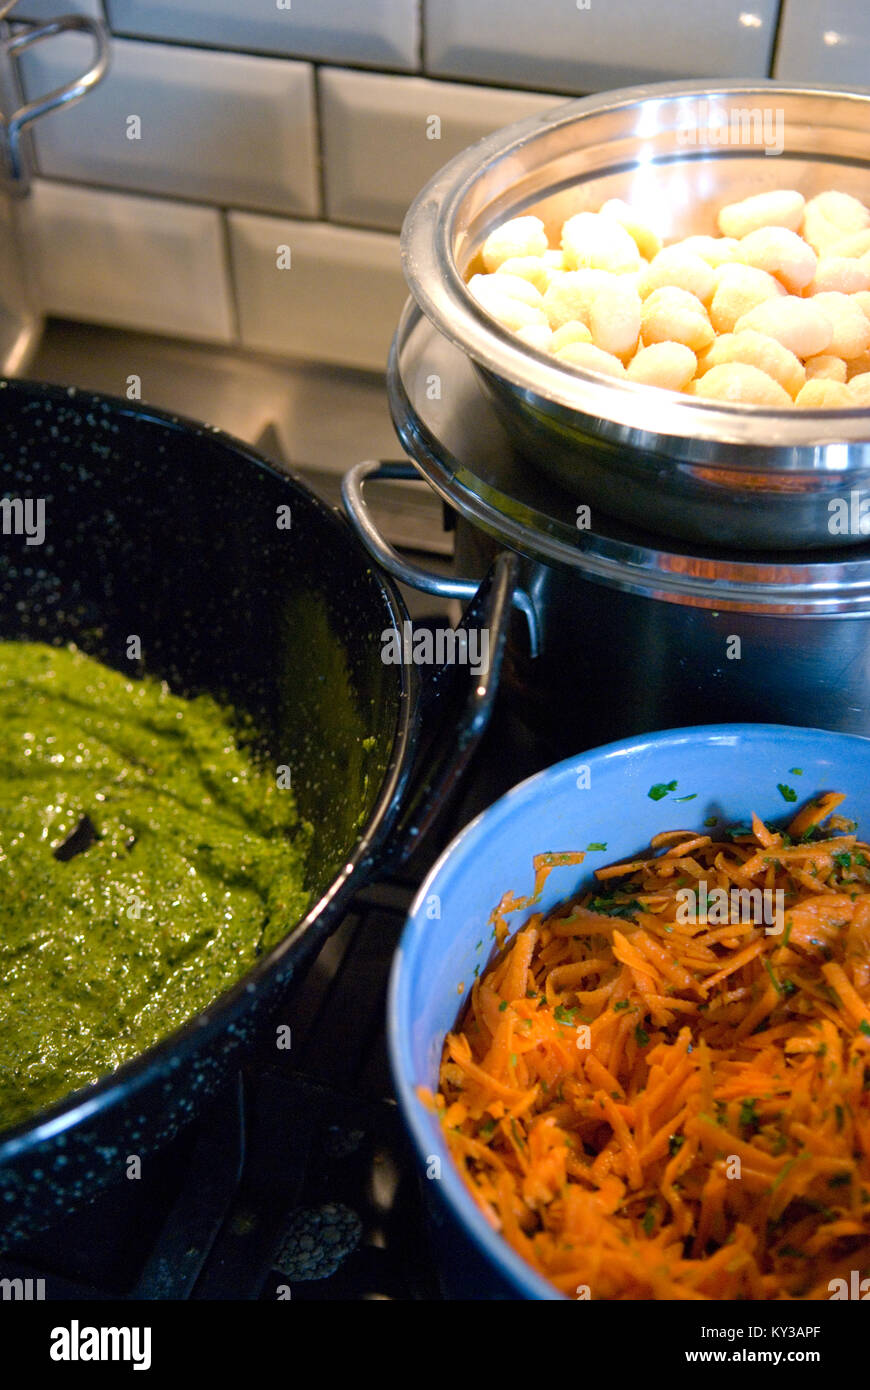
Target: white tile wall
column 222, row 127
column 827, row 42
column 382, row 32
column 384, row 137
column 234, row 117
column 611, row 43
column 130, row 261
column 41, row 10
column 338, row 302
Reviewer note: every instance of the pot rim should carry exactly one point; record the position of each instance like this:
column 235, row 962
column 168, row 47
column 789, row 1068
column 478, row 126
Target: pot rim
column 777, row 585
column 433, row 228
column 169, row 1054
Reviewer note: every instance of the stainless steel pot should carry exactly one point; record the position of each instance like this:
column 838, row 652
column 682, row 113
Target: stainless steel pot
column 620, row 634
column 746, row 476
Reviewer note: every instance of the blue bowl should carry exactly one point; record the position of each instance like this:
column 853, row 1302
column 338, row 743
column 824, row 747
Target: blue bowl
column 601, row 796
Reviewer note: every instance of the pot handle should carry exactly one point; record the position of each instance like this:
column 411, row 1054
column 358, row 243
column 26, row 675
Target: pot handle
column 64, row 95
column 453, row 719
column 389, row 559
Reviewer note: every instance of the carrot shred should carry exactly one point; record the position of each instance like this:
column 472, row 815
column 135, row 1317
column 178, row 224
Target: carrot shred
column 664, row 1107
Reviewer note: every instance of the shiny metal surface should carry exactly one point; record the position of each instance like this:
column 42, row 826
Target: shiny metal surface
column 21, row 320
column 14, row 122
column 632, row 636
column 472, row 461
column 357, row 512
column 414, row 576
column 749, row 476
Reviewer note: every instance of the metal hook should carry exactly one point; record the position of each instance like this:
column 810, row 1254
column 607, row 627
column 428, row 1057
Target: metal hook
column 403, row 570
column 65, row 95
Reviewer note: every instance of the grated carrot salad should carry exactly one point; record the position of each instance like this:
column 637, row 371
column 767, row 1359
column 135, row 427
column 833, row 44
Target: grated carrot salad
column 648, row 1107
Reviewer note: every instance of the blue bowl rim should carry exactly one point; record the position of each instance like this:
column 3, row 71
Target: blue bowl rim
column 460, row 1202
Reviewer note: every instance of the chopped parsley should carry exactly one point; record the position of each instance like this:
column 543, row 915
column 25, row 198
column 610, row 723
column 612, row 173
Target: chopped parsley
column 784, row 988
column 787, row 793
column 743, row 828
column 675, row 1143
column 641, row 1037
column 748, row 1117
column 596, row 844
column 621, row 1004
column 608, row 908
column 564, row 1015
column 864, row 1027
column 659, row 790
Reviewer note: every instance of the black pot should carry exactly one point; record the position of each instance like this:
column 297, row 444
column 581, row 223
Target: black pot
column 162, row 528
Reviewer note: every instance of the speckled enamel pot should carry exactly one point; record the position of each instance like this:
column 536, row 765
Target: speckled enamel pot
column 168, row 530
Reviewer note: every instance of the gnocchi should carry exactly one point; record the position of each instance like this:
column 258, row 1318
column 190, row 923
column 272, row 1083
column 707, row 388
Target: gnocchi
column 796, row 323
column 595, row 242
column 521, row 237
column 739, row 288
column 588, row 355
column 820, row 394
column 672, row 315
column 757, row 350
column 667, row 364
column 826, row 366
column 773, row 311
column 859, row 389
column 741, row 383
column 783, row 207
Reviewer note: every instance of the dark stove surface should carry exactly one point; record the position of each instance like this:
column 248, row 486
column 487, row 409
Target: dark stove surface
column 299, row 1181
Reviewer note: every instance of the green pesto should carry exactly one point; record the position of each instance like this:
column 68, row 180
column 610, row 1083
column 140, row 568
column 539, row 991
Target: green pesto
column 196, row 869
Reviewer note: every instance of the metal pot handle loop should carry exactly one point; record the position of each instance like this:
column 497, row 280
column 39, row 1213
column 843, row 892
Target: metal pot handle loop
column 64, row 95
column 402, row 570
